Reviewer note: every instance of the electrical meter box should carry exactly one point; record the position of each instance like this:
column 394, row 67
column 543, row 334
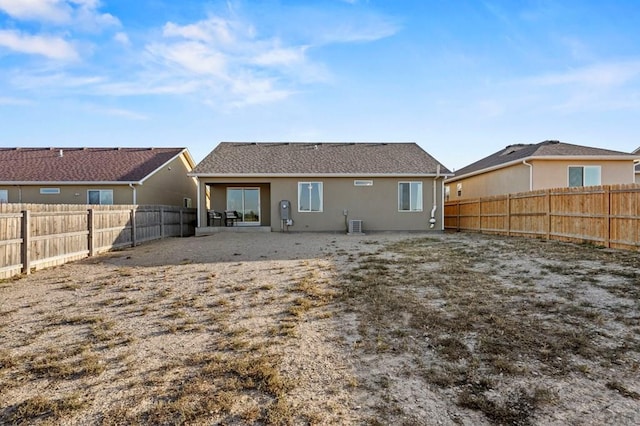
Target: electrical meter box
column 285, row 210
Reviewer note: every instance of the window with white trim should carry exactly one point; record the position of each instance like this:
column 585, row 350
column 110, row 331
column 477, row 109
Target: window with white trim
column 410, row 196
column 361, row 182
column 584, row 176
column 447, row 192
column 100, row 196
column 309, row 196
column 4, row 195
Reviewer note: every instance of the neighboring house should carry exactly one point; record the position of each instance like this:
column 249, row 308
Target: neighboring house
column 387, row 186
column 97, row 176
column 548, row 164
column 637, row 168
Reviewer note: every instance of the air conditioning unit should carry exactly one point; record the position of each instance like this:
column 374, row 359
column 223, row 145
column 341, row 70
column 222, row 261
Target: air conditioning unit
column 355, row 227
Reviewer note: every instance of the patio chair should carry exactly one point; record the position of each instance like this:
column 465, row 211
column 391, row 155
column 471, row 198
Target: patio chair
column 230, row 217
column 215, row 216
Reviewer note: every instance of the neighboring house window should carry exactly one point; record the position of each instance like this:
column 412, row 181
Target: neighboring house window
column 459, row 190
column 584, row 176
column 4, row 195
column 309, row 196
column 100, row 196
column 362, row 183
column 50, row 191
column 447, row 192
column 410, row 196
column 186, row 202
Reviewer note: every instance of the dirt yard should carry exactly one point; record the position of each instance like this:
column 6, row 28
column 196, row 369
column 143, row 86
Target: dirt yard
column 414, row 329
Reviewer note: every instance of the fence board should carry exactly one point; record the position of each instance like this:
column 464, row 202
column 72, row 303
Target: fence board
column 35, row 236
column 603, row 215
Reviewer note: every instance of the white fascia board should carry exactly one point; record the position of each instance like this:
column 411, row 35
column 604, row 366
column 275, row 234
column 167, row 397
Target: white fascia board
column 184, row 151
column 549, row 157
column 68, row 183
column 315, row 175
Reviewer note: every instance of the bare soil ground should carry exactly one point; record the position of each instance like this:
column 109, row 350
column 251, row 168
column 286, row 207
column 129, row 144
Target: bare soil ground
column 390, row 328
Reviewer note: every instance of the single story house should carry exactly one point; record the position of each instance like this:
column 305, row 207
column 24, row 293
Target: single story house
column 321, row 187
column 637, row 169
column 548, row 164
column 97, row 176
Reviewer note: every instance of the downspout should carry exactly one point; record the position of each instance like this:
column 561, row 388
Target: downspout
column 135, row 196
column 530, row 174
column 432, row 220
column 198, row 206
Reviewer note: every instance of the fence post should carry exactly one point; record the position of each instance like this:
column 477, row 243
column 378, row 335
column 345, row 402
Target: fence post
column 480, row 215
column 181, row 223
column 132, row 219
column 547, row 195
column 458, row 217
column 508, row 215
column 26, row 242
column 90, row 226
column 607, row 218
column 161, row 223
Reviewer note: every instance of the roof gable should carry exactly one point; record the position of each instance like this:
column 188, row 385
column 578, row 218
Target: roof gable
column 82, row 164
column 544, row 149
column 299, row 158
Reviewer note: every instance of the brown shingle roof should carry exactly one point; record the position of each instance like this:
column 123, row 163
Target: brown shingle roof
column 543, row 149
column 82, row 164
column 298, row 158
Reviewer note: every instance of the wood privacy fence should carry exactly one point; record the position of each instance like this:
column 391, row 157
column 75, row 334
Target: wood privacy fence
column 36, row 236
column 603, row 215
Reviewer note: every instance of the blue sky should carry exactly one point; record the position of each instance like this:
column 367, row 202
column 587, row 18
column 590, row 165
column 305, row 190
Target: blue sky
column 461, row 78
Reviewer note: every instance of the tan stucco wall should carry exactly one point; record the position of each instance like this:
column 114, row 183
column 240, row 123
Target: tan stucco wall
column 546, row 174
column 555, row 174
column 502, row 181
column 168, row 186
column 376, row 205
column 69, row 194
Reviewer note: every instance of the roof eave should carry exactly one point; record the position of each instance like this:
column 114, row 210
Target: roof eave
column 255, row 175
column 187, row 156
column 545, row 157
column 69, row 183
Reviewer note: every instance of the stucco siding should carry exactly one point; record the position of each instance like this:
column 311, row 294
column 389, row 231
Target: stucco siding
column 555, row 174
column 376, row 205
column 169, row 185
column 69, row 194
column 502, row 181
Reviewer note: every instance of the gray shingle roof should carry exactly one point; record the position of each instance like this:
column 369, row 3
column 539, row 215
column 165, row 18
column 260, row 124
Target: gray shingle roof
column 82, row 164
column 298, row 158
column 543, row 149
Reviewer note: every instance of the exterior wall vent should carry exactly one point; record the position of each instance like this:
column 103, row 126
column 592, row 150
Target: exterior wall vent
column 355, row 227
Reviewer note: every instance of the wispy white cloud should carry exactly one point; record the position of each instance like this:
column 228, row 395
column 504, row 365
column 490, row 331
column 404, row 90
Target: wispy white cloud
column 14, row 101
column 55, row 11
column 122, row 38
column 123, row 113
column 52, row 47
column 80, row 13
column 225, row 59
column 600, row 75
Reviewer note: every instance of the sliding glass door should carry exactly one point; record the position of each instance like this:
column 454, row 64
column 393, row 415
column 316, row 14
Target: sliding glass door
column 246, row 201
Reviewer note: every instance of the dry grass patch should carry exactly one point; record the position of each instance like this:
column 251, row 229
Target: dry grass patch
column 482, row 335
